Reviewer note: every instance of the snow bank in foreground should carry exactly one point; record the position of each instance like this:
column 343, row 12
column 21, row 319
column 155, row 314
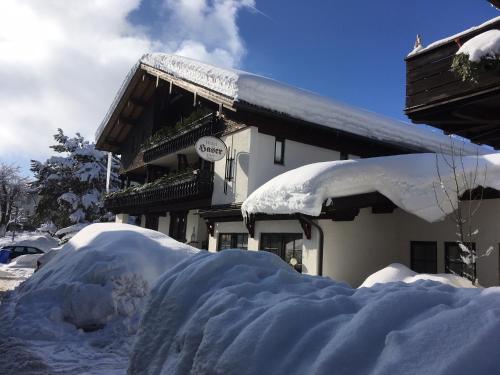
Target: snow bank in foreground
column 485, row 45
column 101, row 276
column 397, row 272
column 409, row 181
column 243, row 312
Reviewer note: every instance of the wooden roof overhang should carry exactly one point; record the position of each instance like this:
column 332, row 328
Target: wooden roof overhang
column 437, row 97
column 145, row 79
column 139, row 90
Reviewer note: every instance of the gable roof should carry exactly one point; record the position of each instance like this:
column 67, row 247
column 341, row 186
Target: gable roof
column 237, row 89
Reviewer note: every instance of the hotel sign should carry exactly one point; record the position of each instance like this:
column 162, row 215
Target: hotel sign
column 210, row 148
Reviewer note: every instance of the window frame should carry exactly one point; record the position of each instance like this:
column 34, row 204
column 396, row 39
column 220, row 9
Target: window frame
column 234, row 240
column 413, row 258
column 281, row 160
column 283, row 238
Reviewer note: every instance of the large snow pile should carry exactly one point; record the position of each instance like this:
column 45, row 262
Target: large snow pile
column 238, row 312
column 397, row 272
column 275, row 96
column 102, row 274
column 485, row 45
column 409, row 181
column 80, row 312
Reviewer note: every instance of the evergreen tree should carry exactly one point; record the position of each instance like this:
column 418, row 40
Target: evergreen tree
column 71, row 185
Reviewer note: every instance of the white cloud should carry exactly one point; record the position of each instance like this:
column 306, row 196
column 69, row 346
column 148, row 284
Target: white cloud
column 61, row 62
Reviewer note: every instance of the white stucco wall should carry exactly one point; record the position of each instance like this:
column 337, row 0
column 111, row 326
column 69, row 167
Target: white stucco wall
column 309, row 247
column 196, row 229
column 121, row 218
column 164, row 224
column 238, row 144
column 254, row 163
column 262, row 167
column 355, row 249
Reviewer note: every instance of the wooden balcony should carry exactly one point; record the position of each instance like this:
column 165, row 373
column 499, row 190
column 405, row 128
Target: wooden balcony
column 193, row 187
column 437, row 96
column 187, row 136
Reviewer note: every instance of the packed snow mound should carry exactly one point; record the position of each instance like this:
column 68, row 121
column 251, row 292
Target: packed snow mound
column 483, row 46
column 24, row 261
column 397, row 272
column 409, row 181
column 101, row 276
column 240, row 86
column 249, row 313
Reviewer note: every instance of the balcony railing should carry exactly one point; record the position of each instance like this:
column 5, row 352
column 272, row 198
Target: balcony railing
column 187, row 136
column 191, row 185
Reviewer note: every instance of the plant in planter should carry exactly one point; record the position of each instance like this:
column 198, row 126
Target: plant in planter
column 477, row 56
column 168, row 131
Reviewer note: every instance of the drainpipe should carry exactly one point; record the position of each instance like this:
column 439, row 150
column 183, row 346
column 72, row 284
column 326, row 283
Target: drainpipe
column 321, row 242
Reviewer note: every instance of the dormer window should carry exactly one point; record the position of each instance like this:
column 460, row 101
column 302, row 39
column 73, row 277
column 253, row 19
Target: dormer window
column 279, row 151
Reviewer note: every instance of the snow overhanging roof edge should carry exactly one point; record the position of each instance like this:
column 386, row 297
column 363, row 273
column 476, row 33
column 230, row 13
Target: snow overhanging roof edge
column 270, row 95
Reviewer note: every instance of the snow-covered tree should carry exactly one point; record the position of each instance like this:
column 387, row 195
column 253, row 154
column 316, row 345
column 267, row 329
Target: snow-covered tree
column 12, row 189
column 71, row 185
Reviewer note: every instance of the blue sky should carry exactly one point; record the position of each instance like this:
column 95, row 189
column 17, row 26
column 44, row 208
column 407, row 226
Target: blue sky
column 61, row 62
column 350, row 50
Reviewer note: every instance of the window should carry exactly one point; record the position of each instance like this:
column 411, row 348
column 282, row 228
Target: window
column 233, row 241
column 452, row 261
column 177, row 228
column 424, row 256
column 288, row 246
column 152, row 222
column 18, row 250
column 279, row 151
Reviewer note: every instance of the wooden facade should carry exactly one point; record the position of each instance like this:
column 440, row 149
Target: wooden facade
column 437, row 96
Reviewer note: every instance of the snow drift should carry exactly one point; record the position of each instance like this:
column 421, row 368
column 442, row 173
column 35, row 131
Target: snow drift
column 100, row 277
column 397, row 272
column 409, row 181
column 243, row 312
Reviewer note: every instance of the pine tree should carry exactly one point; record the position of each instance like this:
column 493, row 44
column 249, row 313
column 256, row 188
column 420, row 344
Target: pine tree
column 71, row 185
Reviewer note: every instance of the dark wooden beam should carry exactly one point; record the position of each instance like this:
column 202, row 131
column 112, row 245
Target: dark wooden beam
column 306, row 227
column 136, row 103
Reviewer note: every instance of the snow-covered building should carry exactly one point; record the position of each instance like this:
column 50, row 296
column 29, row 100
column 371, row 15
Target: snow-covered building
column 167, row 103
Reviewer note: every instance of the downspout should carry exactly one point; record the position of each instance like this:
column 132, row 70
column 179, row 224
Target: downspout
column 321, row 241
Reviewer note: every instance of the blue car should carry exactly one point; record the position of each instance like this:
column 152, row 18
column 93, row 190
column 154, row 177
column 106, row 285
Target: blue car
column 4, row 256
column 7, row 253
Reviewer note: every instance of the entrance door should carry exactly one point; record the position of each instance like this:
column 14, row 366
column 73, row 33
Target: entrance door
column 152, row 222
column 288, row 246
column 178, row 222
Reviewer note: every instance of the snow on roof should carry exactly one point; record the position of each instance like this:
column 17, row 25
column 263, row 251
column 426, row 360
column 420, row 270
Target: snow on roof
column 297, row 103
column 453, row 37
column 485, row 45
column 409, row 181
